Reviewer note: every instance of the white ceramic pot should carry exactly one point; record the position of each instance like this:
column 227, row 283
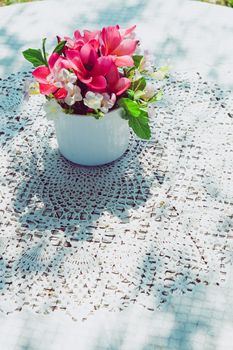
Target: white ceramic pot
column 87, row 141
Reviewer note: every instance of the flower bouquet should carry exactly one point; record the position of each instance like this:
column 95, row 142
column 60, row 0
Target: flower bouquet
column 96, row 87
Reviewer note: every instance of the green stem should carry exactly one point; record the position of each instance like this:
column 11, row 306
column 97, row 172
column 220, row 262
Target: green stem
column 44, row 52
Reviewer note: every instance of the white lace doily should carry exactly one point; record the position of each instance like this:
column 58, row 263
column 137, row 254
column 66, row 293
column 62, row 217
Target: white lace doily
column 156, row 222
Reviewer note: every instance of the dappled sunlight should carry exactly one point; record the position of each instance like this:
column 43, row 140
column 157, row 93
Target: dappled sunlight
column 174, row 35
column 137, row 254
column 88, row 254
column 31, row 30
column 190, row 321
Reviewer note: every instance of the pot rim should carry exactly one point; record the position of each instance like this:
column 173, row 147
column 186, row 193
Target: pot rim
column 91, row 116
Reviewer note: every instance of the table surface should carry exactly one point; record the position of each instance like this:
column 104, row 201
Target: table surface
column 194, row 37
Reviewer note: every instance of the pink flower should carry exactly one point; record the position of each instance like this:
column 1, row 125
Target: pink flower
column 79, row 40
column 118, row 45
column 116, row 84
column 89, row 61
column 47, row 76
column 89, row 68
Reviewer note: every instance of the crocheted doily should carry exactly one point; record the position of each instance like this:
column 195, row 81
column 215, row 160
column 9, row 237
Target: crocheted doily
column 158, row 221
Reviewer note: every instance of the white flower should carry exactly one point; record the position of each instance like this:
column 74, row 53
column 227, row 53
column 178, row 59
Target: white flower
column 147, row 63
column 93, row 100
column 136, row 75
column 102, row 102
column 52, row 108
column 66, row 76
column 149, row 91
column 61, row 77
column 73, row 94
column 107, row 102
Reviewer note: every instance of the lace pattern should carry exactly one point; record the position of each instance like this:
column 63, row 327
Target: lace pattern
column 155, row 222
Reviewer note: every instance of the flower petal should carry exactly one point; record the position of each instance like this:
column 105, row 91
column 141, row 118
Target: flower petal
column 88, row 55
column 70, row 43
column 46, row 89
column 93, row 100
column 98, row 83
column 128, row 31
column 123, row 61
column 40, row 74
column 89, row 35
column 77, row 35
column 126, row 47
column 121, row 86
column 102, row 66
column 53, row 59
column 75, row 62
column 111, row 39
column 113, row 75
column 60, row 94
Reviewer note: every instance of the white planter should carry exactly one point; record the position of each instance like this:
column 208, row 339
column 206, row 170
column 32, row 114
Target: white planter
column 87, row 141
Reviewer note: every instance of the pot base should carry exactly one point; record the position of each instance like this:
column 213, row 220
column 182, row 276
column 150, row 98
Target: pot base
column 86, row 164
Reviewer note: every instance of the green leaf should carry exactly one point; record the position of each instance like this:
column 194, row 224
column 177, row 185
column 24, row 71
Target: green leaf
column 124, row 114
column 139, row 84
column 34, row 56
column 60, row 46
column 44, row 52
column 129, row 72
column 141, row 126
column 97, row 114
column 137, row 60
column 131, row 107
column 130, row 94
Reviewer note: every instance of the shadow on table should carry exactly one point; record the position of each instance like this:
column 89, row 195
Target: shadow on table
column 61, row 204
column 56, row 194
